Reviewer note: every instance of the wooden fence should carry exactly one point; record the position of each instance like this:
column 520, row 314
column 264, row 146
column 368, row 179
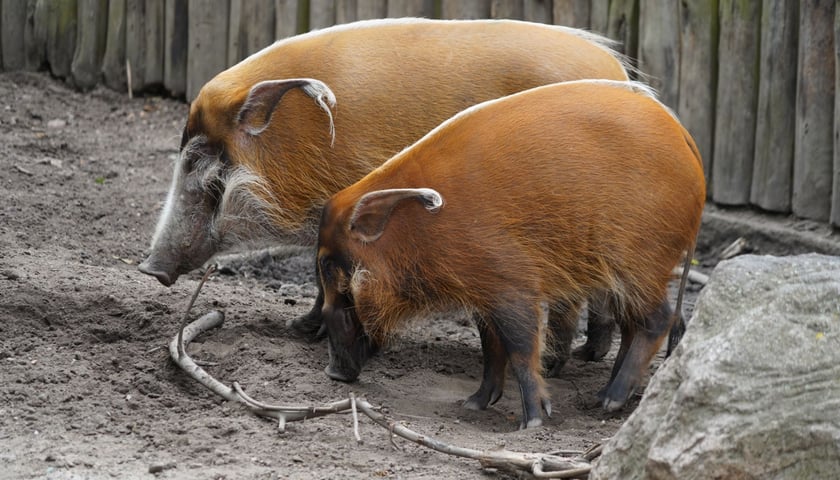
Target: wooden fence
column 753, row 80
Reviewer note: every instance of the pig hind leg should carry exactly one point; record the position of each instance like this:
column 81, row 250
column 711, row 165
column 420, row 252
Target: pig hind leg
column 495, row 362
column 562, row 325
column 675, row 335
column 640, row 340
column 600, row 326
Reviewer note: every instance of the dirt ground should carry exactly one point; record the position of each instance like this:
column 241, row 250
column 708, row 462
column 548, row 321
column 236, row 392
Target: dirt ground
column 87, row 389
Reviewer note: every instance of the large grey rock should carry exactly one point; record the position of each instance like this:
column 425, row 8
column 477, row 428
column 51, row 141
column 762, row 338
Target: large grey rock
column 753, row 390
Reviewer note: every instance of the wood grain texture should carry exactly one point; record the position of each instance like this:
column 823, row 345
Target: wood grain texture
column 573, row 13
column 252, row 26
column 411, row 8
column 835, row 192
column 321, row 14
column 698, row 76
column 514, row 9
column 287, row 20
column 737, row 96
column 659, row 48
column 154, row 36
column 599, row 16
column 86, row 66
column 623, row 25
column 774, row 131
column 465, row 9
column 539, row 11
column 813, row 158
column 175, row 47
column 12, row 25
column 206, row 42
column 113, row 62
column 61, row 24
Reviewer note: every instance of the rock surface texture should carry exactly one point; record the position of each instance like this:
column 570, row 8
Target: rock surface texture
column 753, row 390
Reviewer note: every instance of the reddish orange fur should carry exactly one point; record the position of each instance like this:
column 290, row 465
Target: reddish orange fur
column 393, row 81
column 550, row 195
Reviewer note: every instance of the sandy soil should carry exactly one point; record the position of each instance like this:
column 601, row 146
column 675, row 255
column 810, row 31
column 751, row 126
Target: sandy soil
column 87, row 389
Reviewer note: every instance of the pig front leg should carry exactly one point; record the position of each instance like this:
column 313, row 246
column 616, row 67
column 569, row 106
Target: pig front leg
column 495, row 362
column 311, row 325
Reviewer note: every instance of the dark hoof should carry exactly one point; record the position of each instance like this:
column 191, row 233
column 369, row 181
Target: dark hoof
column 555, row 366
column 590, row 353
column 612, row 399
column 531, row 423
column 310, row 326
column 480, row 400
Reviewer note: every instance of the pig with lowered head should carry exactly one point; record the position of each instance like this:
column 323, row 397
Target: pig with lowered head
column 264, row 146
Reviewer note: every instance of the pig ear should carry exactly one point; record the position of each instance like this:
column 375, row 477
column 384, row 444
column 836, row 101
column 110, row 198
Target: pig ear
column 255, row 114
column 373, row 210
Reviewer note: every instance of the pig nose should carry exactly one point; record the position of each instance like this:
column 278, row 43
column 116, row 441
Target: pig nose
column 335, row 374
column 162, row 276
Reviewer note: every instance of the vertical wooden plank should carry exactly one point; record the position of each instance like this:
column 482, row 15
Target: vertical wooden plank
column 345, row 11
column 737, row 95
column 35, row 34
column 835, row 192
column 234, row 52
column 90, row 43
column 61, row 36
column 12, row 24
column 573, row 13
column 411, row 8
column 623, row 25
column 465, row 9
column 1, row 37
column 366, row 9
column 537, row 11
column 599, row 16
column 154, row 34
column 207, row 36
column 135, row 42
column 258, row 24
column 514, row 9
column 321, row 14
column 175, row 47
column 252, row 26
column 813, row 158
column 774, row 130
column 113, row 63
column 698, row 76
column 286, row 23
column 659, row 48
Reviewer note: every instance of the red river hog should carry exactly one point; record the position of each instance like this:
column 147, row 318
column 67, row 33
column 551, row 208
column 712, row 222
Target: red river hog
column 515, row 211
column 265, row 144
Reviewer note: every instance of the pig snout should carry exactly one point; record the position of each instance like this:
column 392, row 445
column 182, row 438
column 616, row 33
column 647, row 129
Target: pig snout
column 165, row 274
column 349, row 346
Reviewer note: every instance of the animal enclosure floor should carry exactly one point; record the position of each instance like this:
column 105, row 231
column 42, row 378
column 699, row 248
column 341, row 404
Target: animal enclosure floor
column 87, row 389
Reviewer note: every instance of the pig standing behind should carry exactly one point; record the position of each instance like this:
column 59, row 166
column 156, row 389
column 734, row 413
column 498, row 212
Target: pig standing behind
column 514, row 207
column 258, row 159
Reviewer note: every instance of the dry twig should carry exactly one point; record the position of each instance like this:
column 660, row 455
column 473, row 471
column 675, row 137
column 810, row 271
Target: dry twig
column 538, row 464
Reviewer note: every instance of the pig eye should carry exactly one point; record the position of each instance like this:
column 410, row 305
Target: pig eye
column 199, row 154
column 325, row 265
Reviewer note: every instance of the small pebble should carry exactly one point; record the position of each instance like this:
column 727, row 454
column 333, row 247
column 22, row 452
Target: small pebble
column 159, row 467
